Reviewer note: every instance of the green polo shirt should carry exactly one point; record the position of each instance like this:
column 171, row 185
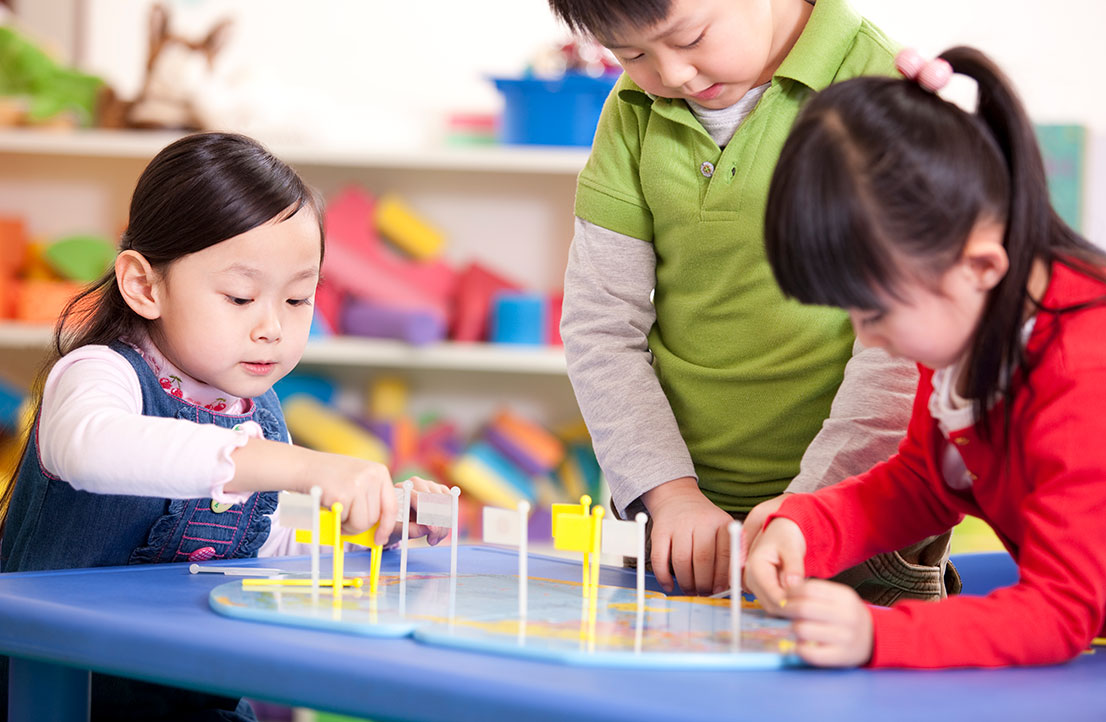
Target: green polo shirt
column 750, row 375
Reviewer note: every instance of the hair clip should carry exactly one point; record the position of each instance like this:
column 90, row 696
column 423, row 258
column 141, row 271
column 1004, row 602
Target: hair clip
column 933, row 75
column 937, row 77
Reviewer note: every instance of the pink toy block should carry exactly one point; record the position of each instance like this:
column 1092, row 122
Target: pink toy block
column 556, row 300
column 349, row 219
column 358, row 263
column 356, row 274
column 476, row 288
column 328, row 304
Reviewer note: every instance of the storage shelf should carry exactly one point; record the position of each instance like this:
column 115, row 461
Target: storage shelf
column 372, row 353
column 143, row 145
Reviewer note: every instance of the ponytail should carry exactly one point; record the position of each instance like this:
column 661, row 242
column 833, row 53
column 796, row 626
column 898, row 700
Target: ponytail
column 1034, row 232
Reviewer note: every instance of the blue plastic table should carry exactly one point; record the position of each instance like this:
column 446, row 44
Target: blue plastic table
column 153, row 622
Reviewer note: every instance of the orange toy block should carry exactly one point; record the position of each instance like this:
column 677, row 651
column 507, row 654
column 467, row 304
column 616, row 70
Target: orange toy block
column 13, row 245
column 38, row 301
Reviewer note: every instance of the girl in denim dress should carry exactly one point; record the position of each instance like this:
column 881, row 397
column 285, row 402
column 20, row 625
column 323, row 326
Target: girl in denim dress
column 157, row 435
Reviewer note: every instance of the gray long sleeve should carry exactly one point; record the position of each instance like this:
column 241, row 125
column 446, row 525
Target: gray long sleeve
column 867, row 420
column 605, row 322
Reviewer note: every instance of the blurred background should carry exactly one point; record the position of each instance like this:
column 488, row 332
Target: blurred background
column 446, row 137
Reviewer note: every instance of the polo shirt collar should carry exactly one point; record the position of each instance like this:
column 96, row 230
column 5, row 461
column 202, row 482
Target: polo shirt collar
column 829, row 34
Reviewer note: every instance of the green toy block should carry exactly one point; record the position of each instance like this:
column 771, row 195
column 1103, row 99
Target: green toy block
column 82, row 259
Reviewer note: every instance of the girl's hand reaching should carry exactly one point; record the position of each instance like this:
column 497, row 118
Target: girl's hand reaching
column 775, row 564
column 434, row 534
column 833, row 626
column 364, row 488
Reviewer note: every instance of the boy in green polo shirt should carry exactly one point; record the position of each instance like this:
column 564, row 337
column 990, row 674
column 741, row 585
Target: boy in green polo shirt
column 706, row 392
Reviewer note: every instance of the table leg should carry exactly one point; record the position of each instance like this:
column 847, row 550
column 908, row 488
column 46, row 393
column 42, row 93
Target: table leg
column 48, row 692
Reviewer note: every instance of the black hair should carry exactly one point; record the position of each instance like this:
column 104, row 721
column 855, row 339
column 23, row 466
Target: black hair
column 881, row 182
column 198, row 191
column 601, row 19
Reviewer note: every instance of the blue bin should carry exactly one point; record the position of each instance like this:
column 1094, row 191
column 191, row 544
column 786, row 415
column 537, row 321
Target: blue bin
column 561, row 111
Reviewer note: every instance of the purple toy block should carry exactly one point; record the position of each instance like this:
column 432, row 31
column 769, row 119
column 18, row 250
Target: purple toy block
column 515, row 452
column 415, row 326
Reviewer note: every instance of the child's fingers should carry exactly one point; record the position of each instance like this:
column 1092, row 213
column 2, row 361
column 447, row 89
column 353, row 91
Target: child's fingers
column 660, row 558
column 703, row 557
column 682, row 559
column 721, row 560
column 385, row 500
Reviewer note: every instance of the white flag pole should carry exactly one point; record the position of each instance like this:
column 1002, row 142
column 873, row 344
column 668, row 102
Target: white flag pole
column 455, row 492
column 523, row 573
column 735, row 584
column 405, row 512
column 316, row 501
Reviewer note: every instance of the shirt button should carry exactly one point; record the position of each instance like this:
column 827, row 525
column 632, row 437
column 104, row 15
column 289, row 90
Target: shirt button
column 960, row 440
column 219, row 507
column 707, row 169
column 202, row 554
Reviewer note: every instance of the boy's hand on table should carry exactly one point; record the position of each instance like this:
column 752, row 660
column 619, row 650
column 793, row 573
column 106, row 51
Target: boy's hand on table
column 833, row 626
column 690, row 537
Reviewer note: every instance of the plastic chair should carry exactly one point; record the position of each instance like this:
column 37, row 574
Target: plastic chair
column 983, row 572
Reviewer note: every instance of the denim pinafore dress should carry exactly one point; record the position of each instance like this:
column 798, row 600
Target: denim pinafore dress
column 51, row 525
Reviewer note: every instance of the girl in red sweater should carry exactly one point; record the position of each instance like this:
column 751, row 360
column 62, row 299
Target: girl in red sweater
column 932, row 226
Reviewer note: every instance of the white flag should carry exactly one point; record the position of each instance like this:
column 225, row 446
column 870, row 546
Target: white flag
column 501, row 526
column 434, row 509
column 296, row 511
column 619, row 537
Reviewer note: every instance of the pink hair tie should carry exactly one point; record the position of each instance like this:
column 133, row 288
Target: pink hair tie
column 932, row 75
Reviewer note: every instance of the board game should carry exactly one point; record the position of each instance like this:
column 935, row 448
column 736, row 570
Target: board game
column 480, row 612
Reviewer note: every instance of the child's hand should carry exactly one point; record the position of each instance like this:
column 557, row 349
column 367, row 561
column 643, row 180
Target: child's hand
column 691, row 534
column 775, row 564
column 754, row 522
column 364, row 489
column 833, row 626
column 433, row 534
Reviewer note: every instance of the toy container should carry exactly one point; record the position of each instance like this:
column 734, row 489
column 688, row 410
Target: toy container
column 552, row 111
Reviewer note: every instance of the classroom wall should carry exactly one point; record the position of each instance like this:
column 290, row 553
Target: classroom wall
column 385, row 71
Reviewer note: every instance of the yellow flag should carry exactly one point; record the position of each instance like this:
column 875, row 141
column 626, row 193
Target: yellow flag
column 572, row 532
column 326, row 531
column 558, row 509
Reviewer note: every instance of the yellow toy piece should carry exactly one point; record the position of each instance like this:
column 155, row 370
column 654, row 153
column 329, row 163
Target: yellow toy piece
column 399, row 224
column 314, row 424
column 387, row 398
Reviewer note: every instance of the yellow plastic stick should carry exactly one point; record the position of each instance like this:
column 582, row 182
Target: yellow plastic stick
column 585, row 504
column 355, row 582
column 339, row 560
column 374, row 567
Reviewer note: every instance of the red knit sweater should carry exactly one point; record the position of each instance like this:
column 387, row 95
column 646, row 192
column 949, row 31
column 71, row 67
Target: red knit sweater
column 1045, row 496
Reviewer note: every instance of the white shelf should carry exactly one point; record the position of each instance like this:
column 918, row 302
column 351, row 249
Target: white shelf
column 142, row 145
column 372, row 353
